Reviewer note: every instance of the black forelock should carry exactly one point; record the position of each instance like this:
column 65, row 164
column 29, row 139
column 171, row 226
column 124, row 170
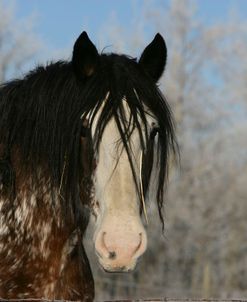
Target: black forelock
column 41, row 116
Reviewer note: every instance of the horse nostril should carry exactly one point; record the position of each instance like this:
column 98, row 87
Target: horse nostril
column 112, row 255
column 119, row 251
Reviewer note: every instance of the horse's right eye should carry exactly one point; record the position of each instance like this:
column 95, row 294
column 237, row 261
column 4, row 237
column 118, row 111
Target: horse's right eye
column 84, row 131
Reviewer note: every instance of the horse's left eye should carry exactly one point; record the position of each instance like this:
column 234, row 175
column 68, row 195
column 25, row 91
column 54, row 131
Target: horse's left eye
column 153, row 133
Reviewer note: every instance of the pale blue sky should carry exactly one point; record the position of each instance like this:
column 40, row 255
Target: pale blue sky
column 59, row 22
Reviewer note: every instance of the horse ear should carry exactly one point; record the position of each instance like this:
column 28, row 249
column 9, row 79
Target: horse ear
column 85, row 57
column 153, row 58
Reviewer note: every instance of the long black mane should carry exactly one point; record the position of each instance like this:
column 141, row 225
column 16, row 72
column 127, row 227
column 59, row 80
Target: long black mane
column 42, row 117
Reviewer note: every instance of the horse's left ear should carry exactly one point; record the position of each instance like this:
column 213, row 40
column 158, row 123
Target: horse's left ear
column 85, row 57
column 153, row 58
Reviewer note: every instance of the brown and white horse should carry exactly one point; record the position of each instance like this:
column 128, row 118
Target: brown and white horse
column 88, row 136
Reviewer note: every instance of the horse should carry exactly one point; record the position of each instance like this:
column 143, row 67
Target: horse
column 88, row 137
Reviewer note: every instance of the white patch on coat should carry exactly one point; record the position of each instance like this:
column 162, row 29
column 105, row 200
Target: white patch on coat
column 67, row 249
column 21, row 216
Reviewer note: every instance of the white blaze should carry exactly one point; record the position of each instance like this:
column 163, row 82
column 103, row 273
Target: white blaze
column 120, row 237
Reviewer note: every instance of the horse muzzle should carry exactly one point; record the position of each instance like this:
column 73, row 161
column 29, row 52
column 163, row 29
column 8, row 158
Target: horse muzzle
column 118, row 252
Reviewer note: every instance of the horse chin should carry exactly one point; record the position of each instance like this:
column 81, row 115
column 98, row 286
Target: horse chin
column 117, row 268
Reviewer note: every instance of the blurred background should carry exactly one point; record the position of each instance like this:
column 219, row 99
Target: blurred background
column 204, row 250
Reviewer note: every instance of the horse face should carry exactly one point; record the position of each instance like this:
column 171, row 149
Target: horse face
column 120, row 238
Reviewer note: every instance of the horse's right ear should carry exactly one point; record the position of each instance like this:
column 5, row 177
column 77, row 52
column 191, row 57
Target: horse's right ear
column 85, row 57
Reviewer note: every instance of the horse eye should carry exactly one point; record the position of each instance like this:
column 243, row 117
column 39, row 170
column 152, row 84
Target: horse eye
column 154, row 132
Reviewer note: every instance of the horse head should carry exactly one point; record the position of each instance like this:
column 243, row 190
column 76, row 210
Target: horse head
column 128, row 125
